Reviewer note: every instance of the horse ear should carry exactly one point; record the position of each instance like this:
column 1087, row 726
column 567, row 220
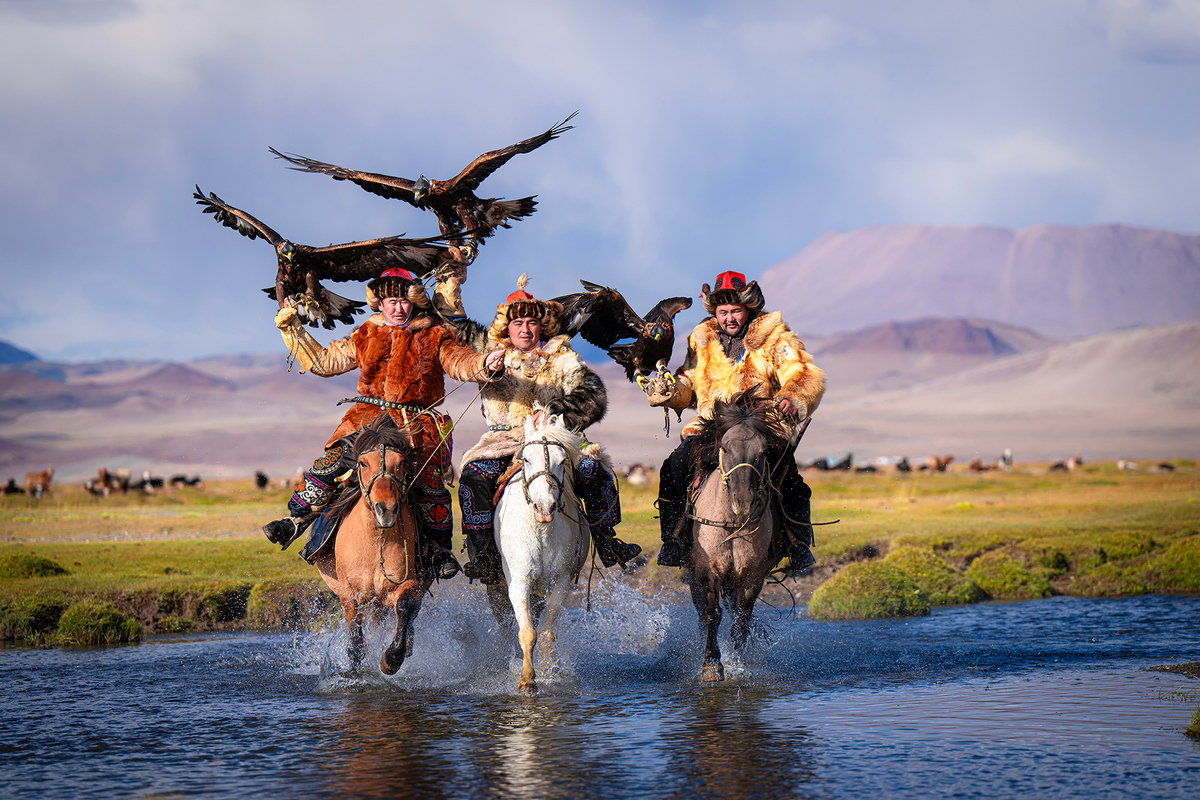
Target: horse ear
column 528, row 425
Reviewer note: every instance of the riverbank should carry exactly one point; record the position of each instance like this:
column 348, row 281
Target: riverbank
column 194, row 559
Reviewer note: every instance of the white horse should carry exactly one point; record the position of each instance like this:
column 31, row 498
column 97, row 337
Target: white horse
column 542, row 536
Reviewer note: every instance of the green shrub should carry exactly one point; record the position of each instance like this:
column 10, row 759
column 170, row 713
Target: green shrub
column 1176, row 569
column 93, row 622
column 25, row 565
column 1001, row 575
column 1193, row 730
column 225, row 604
column 1109, row 580
column 868, row 590
column 32, row 619
column 941, row 584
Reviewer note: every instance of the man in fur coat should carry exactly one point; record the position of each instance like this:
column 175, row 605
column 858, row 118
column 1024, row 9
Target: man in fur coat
column 738, row 348
column 402, row 353
column 542, row 374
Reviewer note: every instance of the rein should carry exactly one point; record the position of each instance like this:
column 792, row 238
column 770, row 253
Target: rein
column 403, row 486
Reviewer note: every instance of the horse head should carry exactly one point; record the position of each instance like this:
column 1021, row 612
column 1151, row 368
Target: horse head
column 384, row 456
column 735, row 440
column 544, row 461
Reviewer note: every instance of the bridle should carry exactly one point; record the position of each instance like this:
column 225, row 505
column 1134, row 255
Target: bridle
column 761, row 499
column 554, row 480
column 383, row 472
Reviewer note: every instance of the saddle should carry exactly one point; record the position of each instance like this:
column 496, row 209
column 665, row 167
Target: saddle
column 514, row 469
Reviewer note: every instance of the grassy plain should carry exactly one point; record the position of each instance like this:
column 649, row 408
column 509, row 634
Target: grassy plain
column 195, row 559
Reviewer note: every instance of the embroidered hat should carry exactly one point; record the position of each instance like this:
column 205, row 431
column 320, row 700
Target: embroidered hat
column 521, row 304
column 396, row 282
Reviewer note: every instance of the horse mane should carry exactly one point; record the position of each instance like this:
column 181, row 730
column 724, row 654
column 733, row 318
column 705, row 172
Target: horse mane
column 381, row 432
column 572, row 441
column 745, row 408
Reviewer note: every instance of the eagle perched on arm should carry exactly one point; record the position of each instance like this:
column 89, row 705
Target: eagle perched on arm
column 454, row 202
column 300, row 268
column 602, row 317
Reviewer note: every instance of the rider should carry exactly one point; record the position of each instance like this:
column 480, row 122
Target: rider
column 402, row 354
column 737, row 348
column 541, row 371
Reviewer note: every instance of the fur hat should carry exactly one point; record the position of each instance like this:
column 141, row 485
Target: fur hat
column 522, row 304
column 732, row 289
column 397, row 282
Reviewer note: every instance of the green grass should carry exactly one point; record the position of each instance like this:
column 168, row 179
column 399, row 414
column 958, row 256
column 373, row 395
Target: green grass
column 198, row 555
column 868, row 590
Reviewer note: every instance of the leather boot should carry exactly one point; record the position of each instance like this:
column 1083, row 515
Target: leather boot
column 611, row 549
column 676, row 551
column 485, row 567
column 287, row 530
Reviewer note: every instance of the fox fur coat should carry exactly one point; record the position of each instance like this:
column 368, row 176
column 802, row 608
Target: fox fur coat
column 774, row 364
column 553, row 377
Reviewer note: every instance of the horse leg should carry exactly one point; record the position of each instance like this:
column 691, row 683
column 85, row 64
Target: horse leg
column 518, row 595
column 708, row 607
column 354, row 619
column 501, row 607
column 747, row 596
column 547, row 620
column 395, row 653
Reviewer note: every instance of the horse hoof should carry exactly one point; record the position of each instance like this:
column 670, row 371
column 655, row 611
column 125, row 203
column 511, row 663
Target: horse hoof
column 527, row 688
column 387, row 668
column 712, row 673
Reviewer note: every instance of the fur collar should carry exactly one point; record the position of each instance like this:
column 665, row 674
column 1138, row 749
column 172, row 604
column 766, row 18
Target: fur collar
column 757, row 330
column 550, row 348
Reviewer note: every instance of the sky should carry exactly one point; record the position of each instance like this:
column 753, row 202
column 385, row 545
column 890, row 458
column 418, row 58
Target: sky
column 710, row 136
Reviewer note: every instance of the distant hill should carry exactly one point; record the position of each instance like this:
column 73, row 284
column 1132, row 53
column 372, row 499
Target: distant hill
column 899, row 354
column 1064, row 282
column 11, row 354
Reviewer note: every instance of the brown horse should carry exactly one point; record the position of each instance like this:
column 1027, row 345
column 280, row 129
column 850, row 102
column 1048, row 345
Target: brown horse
column 735, row 518
column 372, row 563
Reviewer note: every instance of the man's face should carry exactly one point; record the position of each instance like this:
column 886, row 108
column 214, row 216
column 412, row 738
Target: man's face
column 732, row 317
column 525, row 332
column 395, row 310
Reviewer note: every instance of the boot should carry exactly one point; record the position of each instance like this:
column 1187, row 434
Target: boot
column 442, row 561
column 485, row 568
column 287, row 530
column 675, row 551
column 800, row 559
column 611, row 549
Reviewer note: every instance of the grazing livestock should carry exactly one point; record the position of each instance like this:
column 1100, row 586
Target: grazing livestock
column 261, row 480
column 938, row 463
column 978, row 466
column 1005, row 461
column 1071, row 463
column 12, row 488
column 903, row 466
column 637, row 475
column 38, row 483
column 1127, row 466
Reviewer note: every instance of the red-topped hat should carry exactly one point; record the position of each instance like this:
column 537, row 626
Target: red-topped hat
column 398, row 272
column 730, row 282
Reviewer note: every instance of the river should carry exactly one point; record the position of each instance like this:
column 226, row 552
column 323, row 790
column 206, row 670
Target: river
column 1046, row 698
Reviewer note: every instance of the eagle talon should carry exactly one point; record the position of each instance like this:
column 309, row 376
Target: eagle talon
column 643, row 383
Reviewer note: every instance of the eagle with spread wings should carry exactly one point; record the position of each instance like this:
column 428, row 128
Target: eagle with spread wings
column 300, row 267
column 602, row 317
column 464, row 218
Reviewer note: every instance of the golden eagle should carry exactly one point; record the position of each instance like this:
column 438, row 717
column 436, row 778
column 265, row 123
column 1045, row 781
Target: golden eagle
column 602, row 317
column 463, row 218
column 301, row 267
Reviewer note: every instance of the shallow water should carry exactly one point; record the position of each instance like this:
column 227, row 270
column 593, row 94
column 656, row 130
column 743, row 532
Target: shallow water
column 1036, row 699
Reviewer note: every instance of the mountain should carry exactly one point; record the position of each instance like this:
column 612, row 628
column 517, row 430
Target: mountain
column 899, row 354
column 11, row 354
column 1064, row 282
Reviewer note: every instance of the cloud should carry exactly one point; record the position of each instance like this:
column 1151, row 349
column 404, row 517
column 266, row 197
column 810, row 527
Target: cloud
column 1158, row 31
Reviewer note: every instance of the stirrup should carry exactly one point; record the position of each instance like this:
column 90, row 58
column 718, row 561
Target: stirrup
column 444, row 564
column 614, row 551
column 485, row 569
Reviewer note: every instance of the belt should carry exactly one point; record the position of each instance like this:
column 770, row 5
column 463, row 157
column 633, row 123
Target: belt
column 500, row 427
column 375, row 401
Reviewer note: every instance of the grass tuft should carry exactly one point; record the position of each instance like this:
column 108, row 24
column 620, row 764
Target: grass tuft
column 868, row 590
column 26, row 565
column 1001, row 575
column 94, row 622
column 941, row 584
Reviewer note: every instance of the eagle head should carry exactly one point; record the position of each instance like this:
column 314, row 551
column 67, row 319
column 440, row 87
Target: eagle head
column 657, row 331
column 288, row 250
column 421, row 190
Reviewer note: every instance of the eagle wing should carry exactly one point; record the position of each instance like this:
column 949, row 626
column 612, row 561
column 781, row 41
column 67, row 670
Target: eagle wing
column 666, row 310
column 387, row 186
column 600, row 315
column 364, row 261
column 475, row 172
column 235, row 218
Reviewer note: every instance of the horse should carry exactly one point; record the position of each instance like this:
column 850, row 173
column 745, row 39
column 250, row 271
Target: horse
column 38, row 483
column 735, row 518
column 372, row 564
column 542, row 536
